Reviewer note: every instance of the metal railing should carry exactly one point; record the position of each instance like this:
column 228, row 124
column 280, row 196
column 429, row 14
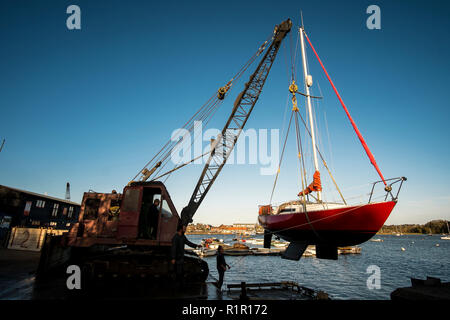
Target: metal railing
column 388, row 188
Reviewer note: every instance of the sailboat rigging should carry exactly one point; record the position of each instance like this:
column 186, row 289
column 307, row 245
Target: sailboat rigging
column 328, row 225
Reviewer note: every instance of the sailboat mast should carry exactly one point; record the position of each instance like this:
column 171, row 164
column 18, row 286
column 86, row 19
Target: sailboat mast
column 308, row 83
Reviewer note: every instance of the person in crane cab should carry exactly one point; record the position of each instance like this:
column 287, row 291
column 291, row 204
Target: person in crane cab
column 153, row 218
column 177, row 252
column 148, row 221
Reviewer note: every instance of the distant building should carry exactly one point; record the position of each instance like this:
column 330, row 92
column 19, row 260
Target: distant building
column 245, row 226
column 29, row 209
column 236, row 228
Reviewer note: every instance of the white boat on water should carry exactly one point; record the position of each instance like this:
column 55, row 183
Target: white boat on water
column 205, row 252
column 280, row 244
column 260, row 242
column 349, row 250
column 447, row 237
column 397, row 232
column 212, row 243
column 255, row 241
column 376, row 240
column 266, row 251
column 311, row 250
column 237, row 249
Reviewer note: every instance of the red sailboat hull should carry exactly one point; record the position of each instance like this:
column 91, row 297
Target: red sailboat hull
column 336, row 227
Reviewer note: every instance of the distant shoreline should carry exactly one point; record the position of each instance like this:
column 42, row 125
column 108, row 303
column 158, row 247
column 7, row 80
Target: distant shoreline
column 433, row 227
column 208, row 233
column 378, row 234
column 224, row 233
column 405, row 233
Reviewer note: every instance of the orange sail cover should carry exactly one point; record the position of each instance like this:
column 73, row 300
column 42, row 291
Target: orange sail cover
column 316, row 185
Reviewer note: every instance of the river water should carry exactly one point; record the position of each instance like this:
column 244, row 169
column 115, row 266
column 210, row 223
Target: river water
column 347, row 277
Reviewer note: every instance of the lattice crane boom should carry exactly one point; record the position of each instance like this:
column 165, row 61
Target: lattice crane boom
column 243, row 106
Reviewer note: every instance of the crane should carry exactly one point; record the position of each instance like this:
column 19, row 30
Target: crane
column 110, row 221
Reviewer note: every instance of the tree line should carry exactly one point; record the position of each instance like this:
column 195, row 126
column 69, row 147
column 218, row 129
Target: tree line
column 434, row 227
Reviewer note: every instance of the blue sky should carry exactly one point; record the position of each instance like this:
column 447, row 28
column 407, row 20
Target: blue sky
column 92, row 106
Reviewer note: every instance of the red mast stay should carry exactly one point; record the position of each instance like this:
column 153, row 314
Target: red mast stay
column 369, row 154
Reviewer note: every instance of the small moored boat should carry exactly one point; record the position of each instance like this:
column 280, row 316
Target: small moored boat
column 237, row 249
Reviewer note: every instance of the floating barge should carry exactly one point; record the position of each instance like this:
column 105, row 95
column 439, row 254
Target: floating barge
column 309, row 252
column 285, row 290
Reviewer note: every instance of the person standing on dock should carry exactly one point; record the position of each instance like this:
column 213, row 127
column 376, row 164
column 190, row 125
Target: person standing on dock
column 177, row 252
column 221, row 266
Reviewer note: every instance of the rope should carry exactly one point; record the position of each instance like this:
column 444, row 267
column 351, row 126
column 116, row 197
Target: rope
column 184, row 164
column 281, row 158
column 284, row 115
column 295, row 56
column 214, row 278
column 299, row 148
column 301, row 159
column 238, row 261
column 323, row 160
column 204, row 112
column 212, row 115
column 167, row 143
column 206, row 116
column 286, row 62
column 292, row 56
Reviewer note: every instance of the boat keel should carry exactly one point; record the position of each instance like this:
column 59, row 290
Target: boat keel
column 267, row 239
column 326, row 252
column 295, row 250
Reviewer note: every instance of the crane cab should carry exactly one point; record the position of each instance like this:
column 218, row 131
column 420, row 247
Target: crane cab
column 108, row 241
column 137, row 218
column 133, row 217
